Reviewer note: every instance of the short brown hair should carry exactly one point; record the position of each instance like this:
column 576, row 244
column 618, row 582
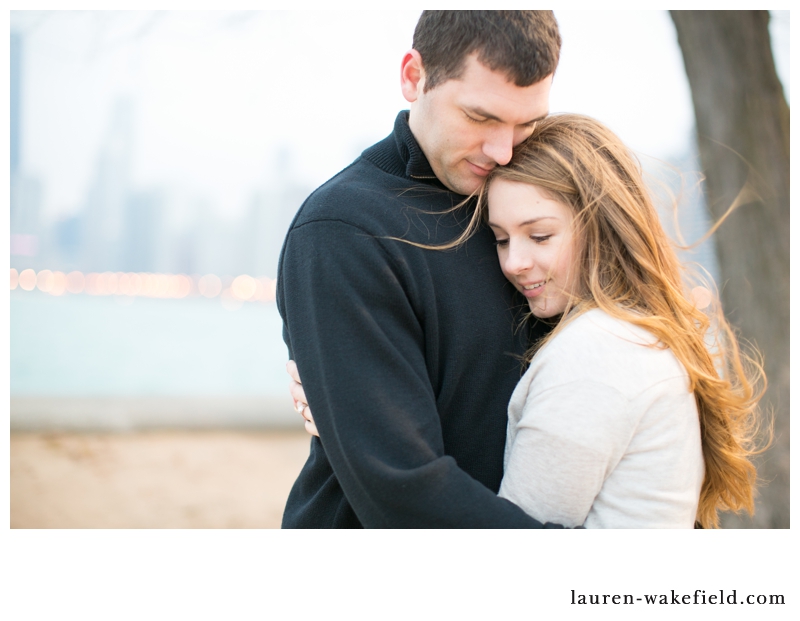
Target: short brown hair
column 523, row 44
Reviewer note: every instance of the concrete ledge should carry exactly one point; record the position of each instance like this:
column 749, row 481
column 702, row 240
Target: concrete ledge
column 141, row 413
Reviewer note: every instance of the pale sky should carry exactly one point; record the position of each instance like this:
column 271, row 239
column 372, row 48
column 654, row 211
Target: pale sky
column 218, row 94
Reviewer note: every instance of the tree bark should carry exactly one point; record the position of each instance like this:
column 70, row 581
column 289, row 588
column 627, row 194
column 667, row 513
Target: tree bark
column 743, row 137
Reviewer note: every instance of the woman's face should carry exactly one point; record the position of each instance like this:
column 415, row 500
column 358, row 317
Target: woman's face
column 535, row 244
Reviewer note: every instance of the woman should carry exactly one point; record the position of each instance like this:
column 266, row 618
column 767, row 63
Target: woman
column 624, row 417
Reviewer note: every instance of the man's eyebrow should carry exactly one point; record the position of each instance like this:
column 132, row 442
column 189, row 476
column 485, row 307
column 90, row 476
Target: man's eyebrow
column 492, row 117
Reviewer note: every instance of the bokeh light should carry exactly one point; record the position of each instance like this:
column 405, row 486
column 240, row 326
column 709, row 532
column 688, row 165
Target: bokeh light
column 243, row 287
column 111, row 282
column 124, row 286
column 210, row 286
column 27, row 280
column 265, row 289
column 98, row 283
column 59, row 284
column 701, row 297
column 44, row 280
column 89, row 283
column 184, row 285
column 235, row 291
column 134, row 284
column 75, row 282
column 148, row 284
column 270, row 286
column 162, row 285
column 173, row 286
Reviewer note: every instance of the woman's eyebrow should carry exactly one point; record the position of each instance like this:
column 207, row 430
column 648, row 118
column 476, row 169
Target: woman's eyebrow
column 531, row 221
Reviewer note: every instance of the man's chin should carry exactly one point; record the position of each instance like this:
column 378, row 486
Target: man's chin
column 464, row 185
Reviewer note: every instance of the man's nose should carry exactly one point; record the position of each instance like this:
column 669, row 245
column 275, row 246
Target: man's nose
column 499, row 145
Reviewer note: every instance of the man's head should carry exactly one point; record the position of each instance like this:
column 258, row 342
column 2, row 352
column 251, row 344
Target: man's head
column 477, row 82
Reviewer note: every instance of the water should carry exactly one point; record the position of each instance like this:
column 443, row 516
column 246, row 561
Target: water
column 83, row 346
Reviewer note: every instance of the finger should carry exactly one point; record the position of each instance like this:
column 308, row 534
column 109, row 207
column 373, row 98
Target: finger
column 291, row 369
column 297, row 392
column 312, row 428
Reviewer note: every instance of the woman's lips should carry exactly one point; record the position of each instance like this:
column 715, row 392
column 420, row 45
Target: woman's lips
column 534, row 291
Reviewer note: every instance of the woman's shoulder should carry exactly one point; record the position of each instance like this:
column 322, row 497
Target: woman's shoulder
column 597, row 327
column 598, row 347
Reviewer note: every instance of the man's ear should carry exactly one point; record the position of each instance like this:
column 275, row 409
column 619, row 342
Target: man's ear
column 412, row 76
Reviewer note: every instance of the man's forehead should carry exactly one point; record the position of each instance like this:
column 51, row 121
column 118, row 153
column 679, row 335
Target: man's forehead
column 492, row 95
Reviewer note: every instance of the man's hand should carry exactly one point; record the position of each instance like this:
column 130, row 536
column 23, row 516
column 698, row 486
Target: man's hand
column 299, row 397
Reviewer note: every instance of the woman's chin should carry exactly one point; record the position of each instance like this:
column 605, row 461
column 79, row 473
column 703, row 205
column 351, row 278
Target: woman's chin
column 546, row 310
column 542, row 312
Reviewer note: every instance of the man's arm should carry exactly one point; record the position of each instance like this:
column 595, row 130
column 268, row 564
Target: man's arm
column 359, row 348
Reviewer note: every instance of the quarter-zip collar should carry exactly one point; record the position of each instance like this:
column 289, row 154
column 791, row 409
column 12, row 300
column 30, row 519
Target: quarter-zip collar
column 400, row 154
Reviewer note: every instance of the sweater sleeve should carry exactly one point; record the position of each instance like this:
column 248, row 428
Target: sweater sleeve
column 567, row 441
column 359, row 346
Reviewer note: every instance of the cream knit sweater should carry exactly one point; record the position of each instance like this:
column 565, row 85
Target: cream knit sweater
column 604, row 432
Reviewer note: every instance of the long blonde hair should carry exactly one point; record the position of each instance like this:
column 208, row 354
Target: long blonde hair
column 628, row 268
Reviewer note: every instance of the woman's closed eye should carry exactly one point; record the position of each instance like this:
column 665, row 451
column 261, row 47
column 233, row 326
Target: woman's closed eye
column 539, row 239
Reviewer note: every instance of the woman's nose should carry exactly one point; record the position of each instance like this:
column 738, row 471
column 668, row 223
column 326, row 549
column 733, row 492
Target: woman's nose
column 517, row 260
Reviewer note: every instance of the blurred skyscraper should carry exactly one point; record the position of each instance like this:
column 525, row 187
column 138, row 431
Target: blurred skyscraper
column 25, row 191
column 142, row 235
column 109, row 193
column 124, row 227
column 16, row 44
column 271, row 212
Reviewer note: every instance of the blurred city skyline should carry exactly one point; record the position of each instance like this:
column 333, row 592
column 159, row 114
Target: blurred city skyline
column 127, row 154
column 122, row 226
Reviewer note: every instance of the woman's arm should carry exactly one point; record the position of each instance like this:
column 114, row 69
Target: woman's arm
column 299, row 398
column 562, row 445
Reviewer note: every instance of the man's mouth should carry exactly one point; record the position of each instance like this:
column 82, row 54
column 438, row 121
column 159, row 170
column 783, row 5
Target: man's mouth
column 481, row 171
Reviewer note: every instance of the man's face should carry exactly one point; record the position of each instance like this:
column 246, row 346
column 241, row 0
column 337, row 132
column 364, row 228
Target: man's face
column 467, row 126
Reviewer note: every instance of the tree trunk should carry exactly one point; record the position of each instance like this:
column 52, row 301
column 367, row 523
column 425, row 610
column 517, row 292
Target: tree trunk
column 743, row 137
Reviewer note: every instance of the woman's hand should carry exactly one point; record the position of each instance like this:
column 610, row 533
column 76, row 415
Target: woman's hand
column 299, row 397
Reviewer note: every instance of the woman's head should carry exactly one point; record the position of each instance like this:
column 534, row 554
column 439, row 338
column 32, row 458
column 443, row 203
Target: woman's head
column 581, row 218
column 535, row 244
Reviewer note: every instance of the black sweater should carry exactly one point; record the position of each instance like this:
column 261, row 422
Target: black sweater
column 408, row 356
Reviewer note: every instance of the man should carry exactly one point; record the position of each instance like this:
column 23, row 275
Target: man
column 409, row 356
